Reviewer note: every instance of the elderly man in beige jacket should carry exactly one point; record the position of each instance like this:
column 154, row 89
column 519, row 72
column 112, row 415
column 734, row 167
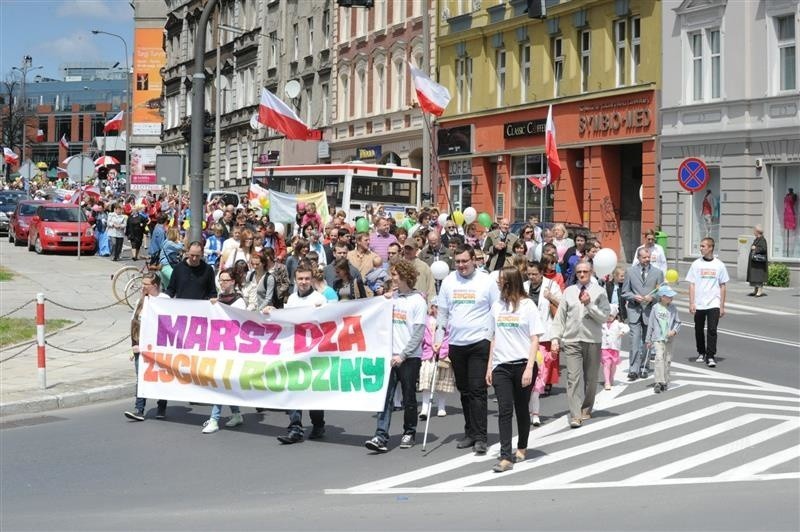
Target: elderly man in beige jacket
column 577, row 332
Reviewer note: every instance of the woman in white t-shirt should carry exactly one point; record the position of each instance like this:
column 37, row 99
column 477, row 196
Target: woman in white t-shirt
column 512, row 362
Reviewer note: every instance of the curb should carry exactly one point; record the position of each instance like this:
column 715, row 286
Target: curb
column 106, row 393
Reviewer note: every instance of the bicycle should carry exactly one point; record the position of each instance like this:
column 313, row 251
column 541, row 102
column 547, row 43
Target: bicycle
column 127, row 282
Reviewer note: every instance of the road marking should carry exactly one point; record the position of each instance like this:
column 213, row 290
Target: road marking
column 684, row 307
column 760, row 310
column 749, row 336
column 762, row 464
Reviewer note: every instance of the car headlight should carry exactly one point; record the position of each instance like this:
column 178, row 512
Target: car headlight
column 49, row 231
column 89, row 231
column 23, row 225
column 3, row 217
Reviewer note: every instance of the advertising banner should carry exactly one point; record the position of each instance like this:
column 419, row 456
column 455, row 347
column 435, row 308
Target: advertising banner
column 148, row 60
column 336, row 357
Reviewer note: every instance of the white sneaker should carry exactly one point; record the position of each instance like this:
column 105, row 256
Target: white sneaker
column 535, row 421
column 700, row 358
column 441, row 412
column 235, row 420
column 210, row 426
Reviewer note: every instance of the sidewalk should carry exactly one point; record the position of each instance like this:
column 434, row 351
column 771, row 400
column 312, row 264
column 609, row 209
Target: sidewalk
column 100, row 371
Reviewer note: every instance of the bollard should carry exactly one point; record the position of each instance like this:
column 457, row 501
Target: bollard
column 40, row 341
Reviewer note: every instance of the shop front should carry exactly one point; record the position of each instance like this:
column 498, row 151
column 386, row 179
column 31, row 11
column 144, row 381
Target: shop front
column 607, row 149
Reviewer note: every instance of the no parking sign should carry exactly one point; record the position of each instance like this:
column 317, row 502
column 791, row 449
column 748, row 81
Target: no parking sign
column 693, row 174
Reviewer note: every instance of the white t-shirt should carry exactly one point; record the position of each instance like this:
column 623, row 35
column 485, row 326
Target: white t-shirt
column 408, row 311
column 612, row 335
column 469, row 302
column 513, row 330
column 314, row 299
column 707, row 276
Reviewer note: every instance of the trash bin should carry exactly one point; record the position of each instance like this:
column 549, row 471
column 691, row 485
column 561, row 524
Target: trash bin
column 661, row 240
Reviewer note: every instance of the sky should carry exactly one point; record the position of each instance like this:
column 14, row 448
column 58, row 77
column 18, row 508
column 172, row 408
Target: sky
column 53, row 32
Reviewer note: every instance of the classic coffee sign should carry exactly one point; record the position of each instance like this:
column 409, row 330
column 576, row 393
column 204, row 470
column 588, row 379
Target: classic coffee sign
column 613, row 117
column 527, row 128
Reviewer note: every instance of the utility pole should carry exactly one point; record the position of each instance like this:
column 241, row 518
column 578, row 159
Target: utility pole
column 27, row 61
column 426, row 135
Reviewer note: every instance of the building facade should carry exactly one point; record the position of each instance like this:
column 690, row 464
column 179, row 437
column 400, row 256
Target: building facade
column 735, row 107
column 598, row 64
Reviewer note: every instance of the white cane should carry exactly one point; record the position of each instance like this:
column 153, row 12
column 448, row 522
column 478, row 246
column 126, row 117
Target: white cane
column 433, row 394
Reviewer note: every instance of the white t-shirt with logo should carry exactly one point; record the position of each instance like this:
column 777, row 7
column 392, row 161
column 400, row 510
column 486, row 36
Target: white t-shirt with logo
column 469, row 302
column 408, row 311
column 513, row 330
column 707, row 276
column 314, row 299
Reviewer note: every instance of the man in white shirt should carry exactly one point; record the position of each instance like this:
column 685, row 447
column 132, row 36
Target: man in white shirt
column 658, row 256
column 464, row 304
column 707, row 278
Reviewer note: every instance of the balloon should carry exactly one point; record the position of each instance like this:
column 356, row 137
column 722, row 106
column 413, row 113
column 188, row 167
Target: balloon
column 186, row 224
column 280, row 229
column 407, row 224
column 485, row 220
column 440, row 269
column 458, row 217
column 443, row 218
column 604, row 262
column 671, row 276
column 217, row 215
column 265, row 211
column 362, row 225
column 470, row 215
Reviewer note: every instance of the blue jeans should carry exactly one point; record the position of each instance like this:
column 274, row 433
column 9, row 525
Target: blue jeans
column 216, row 410
column 141, row 401
column 406, row 374
column 296, row 419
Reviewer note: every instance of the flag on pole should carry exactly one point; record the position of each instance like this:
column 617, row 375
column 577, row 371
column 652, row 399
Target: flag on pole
column 551, row 154
column 432, row 97
column 39, row 135
column 63, row 142
column 9, row 156
column 115, row 124
column 272, row 112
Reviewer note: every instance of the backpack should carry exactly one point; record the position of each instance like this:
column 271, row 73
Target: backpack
column 277, row 298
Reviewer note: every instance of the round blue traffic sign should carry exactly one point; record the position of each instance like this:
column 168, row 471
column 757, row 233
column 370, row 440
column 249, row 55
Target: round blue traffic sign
column 693, row 174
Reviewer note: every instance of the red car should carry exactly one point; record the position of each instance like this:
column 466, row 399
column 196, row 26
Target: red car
column 20, row 220
column 59, row 227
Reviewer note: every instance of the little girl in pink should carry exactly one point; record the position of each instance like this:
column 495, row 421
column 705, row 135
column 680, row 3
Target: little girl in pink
column 613, row 331
column 445, row 378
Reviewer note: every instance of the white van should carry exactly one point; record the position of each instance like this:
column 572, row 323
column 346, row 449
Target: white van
column 227, row 196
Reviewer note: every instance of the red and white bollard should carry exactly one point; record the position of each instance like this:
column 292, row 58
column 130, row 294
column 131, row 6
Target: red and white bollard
column 40, row 341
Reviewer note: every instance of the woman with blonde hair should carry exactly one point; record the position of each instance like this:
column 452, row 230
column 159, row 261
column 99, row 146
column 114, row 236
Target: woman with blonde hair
column 243, row 252
column 561, row 240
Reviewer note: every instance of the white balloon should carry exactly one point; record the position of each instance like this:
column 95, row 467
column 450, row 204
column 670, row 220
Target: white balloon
column 443, row 218
column 440, row 269
column 280, row 229
column 217, row 215
column 604, row 262
column 470, row 215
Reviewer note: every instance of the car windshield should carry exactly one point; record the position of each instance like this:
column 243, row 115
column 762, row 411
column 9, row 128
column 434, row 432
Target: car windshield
column 27, row 209
column 60, row 214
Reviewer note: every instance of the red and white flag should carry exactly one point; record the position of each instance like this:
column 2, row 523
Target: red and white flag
column 39, row 135
column 272, row 112
column 63, row 142
column 9, row 156
column 432, row 97
column 551, row 153
column 115, row 124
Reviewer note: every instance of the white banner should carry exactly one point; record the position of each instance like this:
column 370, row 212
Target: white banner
column 335, row 357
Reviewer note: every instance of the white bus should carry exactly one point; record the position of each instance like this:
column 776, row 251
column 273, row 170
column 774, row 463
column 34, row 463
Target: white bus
column 351, row 186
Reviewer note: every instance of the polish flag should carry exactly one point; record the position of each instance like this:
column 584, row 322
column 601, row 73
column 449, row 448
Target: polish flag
column 63, row 142
column 39, row 135
column 115, row 124
column 272, row 112
column 432, row 97
column 551, row 152
column 9, row 156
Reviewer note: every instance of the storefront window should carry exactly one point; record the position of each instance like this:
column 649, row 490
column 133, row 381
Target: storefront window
column 528, row 199
column 785, row 190
column 460, row 179
column 705, row 212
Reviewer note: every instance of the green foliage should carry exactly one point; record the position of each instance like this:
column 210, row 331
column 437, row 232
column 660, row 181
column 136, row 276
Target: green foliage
column 778, row 275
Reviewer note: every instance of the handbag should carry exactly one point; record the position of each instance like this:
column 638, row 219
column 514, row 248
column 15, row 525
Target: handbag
column 759, row 257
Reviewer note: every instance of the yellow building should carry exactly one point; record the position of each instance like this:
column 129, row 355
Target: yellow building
column 597, row 62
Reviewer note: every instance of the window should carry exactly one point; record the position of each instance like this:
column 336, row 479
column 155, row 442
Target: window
column 636, row 48
column 307, row 99
column 705, row 212
column 696, row 41
column 460, row 181
column 620, row 30
column 500, row 66
column 361, row 92
column 713, row 41
column 705, row 58
column 524, row 71
column 464, row 83
column 361, row 19
column 397, row 15
column 379, row 94
column 586, row 48
column 344, row 19
column 296, row 41
column 344, row 93
column 399, row 84
column 785, row 187
column 527, row 198
column 325, row 90
column 310, row 22
column 558, row 64
column 787, row 52
column 379, row 22
column 273, row 49
column 326, row 28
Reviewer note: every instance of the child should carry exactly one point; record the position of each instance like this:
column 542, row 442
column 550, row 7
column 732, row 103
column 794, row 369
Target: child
column 377, row 276
column 613, row 331
column 661, row 328
column 445, row 378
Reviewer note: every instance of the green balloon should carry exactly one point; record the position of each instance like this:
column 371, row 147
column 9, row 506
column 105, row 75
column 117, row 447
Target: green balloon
column 362, row 225
column 407, row 224
column 485, row 220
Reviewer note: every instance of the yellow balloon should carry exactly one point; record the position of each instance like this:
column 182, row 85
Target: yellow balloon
column 458, row 217
column 672, row 276
column 186, row 224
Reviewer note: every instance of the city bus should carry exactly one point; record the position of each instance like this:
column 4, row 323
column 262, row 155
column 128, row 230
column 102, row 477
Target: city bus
column 352, row 187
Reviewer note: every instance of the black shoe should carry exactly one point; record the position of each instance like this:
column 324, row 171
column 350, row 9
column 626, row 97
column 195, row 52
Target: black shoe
column 137, row 415
column 479, row 447
column 466, row 442
column 161, row 413
column 643, row 374
column 317, row 432
column 632, row 376
column 657, row 388
column 376, row 445
column 292, row 437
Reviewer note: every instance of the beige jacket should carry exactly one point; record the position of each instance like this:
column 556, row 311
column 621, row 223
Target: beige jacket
column 576, row 322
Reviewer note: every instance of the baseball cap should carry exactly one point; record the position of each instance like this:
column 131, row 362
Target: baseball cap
column 666, row 291
column 411, row 243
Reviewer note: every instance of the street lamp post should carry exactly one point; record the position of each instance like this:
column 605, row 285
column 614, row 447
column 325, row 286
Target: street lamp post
column 27, row 61
column 129, row 111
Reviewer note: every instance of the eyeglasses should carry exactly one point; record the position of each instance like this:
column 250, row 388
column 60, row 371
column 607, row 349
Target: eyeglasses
column 583, row 271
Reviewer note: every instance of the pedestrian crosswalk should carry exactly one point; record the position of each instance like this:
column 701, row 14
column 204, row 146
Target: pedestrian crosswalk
column 707, row 428
column 736, row 309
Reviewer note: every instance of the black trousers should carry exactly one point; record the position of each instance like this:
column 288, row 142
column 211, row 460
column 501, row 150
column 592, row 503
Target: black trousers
column 706, row 343
column 469, row 366
column 116, row 246
column 512, row 397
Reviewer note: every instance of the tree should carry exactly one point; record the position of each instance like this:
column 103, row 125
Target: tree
column 11, row 115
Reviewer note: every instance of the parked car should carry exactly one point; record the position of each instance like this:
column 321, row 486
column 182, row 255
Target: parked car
column 8, row 202
column 60, row 227
column 20, row 220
